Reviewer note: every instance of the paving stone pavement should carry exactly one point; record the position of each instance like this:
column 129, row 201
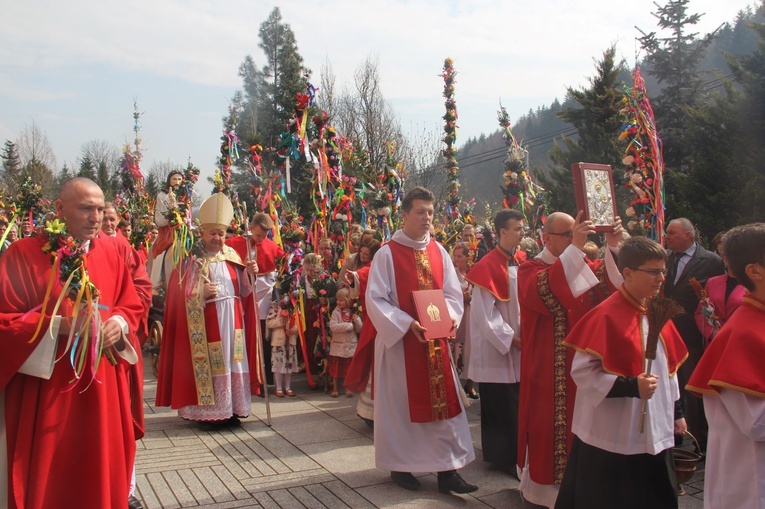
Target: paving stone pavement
column 317, row 453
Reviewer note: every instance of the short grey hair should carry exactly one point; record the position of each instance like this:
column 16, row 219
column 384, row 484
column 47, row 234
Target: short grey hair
column 687, row 226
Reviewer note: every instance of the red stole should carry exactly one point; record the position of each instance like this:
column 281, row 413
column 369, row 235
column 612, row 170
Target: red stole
column 733, row 359
column 163, row 241
column 266, row 252
column 430, row 384
column 490, row 273
column 613, row 332
column 364, row 358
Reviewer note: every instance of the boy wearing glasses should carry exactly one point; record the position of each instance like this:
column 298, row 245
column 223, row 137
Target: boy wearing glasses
column 612, row 463
column 732, row 382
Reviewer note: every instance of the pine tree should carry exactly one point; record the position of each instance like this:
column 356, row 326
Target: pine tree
column 64, row 174
column 11, row 165
column 87, row 169
column 675, row 60
column 152, row 186
column 597, row 120
column 725, row 183
column 281, row 78
column 268, row 104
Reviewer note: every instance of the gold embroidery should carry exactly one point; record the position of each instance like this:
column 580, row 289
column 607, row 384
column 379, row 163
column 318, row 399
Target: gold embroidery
column 560, row 456
column 436, row 369
column 217, row 363
column 238, row 345
column 200, row 357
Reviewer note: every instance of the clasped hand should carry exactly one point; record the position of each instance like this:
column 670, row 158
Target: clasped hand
column 417, row 328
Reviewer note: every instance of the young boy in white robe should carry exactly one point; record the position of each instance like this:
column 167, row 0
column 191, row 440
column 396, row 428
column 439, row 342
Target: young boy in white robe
column 614, row 462
column 731, row 380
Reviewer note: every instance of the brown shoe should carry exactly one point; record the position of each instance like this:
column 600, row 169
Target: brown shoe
column 290, row 393
column 279, row 393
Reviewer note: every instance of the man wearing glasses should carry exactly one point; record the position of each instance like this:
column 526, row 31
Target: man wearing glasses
column 555, row 290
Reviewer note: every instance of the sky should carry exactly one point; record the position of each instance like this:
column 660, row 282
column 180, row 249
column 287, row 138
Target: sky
column 75, row 67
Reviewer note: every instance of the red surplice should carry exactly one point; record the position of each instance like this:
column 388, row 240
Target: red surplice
column 64, row 443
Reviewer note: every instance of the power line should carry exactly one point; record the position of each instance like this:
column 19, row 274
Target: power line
column 497, row 153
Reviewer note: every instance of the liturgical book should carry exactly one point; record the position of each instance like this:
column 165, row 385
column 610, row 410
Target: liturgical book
column 433, row 314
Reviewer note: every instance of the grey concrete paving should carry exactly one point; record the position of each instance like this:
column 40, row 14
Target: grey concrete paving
column 317, row 453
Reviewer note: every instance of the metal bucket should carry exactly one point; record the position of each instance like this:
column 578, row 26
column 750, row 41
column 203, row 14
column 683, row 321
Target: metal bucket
column 685, row 461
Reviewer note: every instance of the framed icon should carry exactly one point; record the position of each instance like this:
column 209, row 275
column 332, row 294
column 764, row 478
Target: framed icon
column 594, row 187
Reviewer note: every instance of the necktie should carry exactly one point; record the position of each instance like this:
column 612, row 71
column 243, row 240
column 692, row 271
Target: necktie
column 676, row 267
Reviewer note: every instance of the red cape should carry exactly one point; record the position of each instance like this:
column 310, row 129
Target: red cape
column 733, row 359
column 612, row 332
column 267, row 252
column 64, row 443
column 364, row 358
column 176, row 386
column 490, row 273
column 143, row 287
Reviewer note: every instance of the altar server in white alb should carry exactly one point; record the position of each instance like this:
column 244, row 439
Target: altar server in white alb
column 613, row 463
column 494, row 341
column 420, row 421
column 732, row 382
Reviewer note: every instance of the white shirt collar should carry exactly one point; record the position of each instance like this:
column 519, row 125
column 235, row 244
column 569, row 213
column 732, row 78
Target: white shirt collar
column 403, row 239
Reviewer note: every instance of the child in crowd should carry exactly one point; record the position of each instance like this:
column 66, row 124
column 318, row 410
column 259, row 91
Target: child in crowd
column 312, row 265
column 731, row 380
column 345, row 325
column 612, row 462
column 282, row 325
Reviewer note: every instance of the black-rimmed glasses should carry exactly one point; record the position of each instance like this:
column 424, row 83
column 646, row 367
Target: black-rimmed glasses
column 653, row 272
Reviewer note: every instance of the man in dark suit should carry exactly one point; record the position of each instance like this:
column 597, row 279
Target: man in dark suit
column 687, row 259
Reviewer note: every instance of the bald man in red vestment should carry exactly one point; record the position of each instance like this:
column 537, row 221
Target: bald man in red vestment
column 65, row 442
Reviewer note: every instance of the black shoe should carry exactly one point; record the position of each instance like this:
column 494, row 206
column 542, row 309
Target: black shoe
column 134, row 503
column 233, row 421
column 452, row 482
column 472, row 394
column 405, row 480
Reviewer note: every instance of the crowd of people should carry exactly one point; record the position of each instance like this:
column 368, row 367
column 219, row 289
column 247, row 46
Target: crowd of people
column 552, row 335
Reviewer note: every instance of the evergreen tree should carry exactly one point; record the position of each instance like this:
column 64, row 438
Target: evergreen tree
column 63, row 175
column 598, row 122
column 725, row 184
column 11, row 165
column 280, row 79
column 675, row 60
column 152, row 186
column 267, row 105
column 40, row 173
column 87, row 169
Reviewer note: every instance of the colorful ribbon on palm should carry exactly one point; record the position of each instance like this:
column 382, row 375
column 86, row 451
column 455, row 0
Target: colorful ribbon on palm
column 644, row 162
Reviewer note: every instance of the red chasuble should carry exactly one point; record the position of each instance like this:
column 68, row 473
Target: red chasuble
column 363, row 360
column 546, row 404
column 184, row 379
column 267, row 252
column 490, row 273
column 733, row 359
column 64, row 443
column 143, row 288
column 613, row 332
column 429, row 380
